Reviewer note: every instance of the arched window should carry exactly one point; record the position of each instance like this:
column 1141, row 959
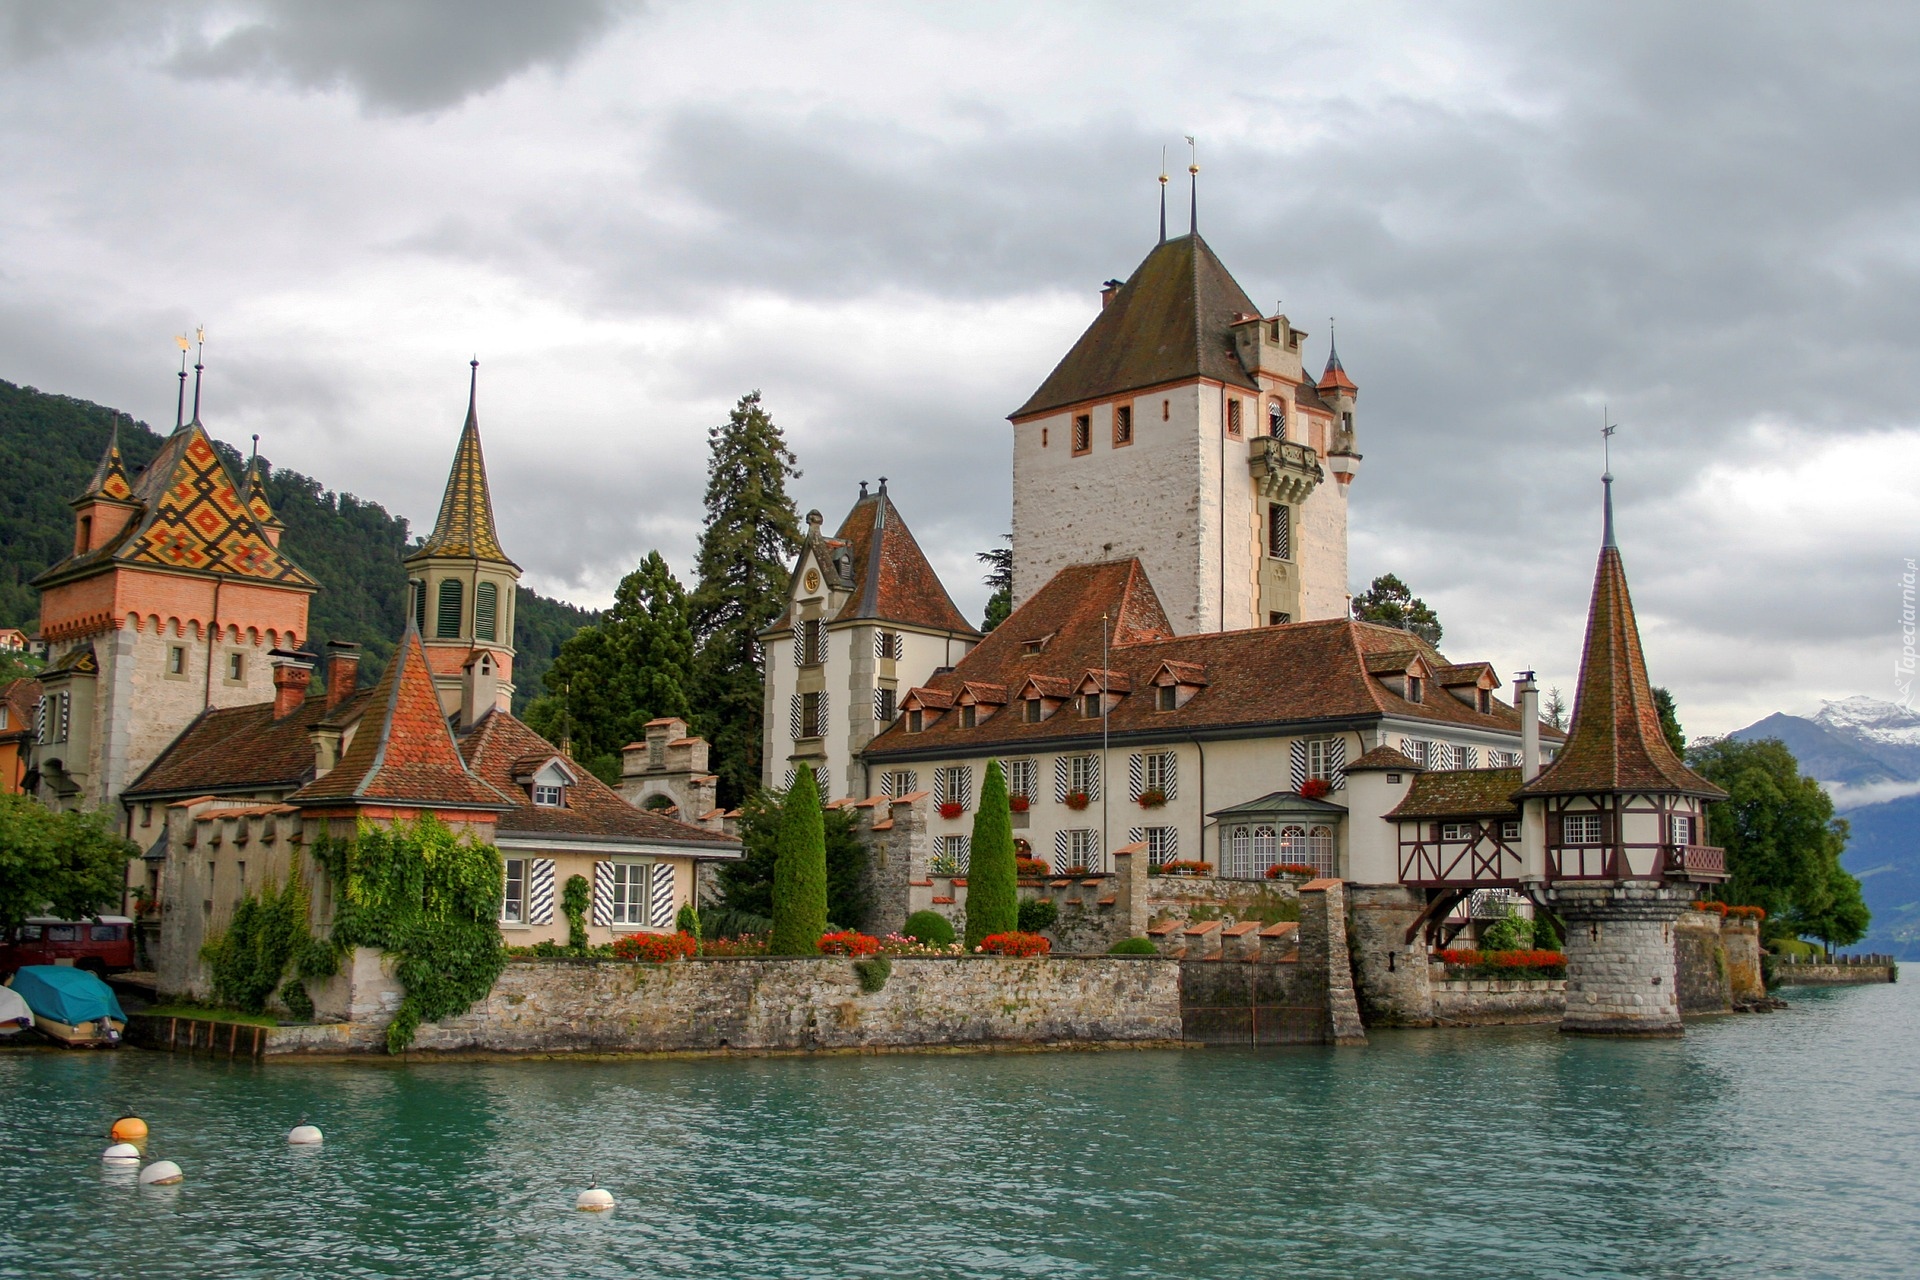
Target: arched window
column 450, row 601
column 1276, row 420
column 1237, row 864
column 1320, row 847
column 486, row 611
column 1263, row 851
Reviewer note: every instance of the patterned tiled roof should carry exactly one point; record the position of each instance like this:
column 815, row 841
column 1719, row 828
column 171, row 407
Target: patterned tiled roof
column 194, row 519
column 500, row 748
column 1615, row 742
column 243, row 749
column 404, row 752
column 1324, row 668
column 465, row 526
column 257, row 497
column 1460, row 793
column 1171, row 321
column 109, row 480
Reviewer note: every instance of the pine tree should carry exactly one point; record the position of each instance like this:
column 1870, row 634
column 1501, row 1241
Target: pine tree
column 999, row 578
column 800, row 873
column 993, row 888
column 1670, row 721
column 635, row 665
column 1555, row 711
column 750, row 538
column 1391, row 603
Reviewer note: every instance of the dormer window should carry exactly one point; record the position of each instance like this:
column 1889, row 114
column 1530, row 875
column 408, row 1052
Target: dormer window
column 916, row 721
column 1416, row 688
column 1031, row 647
column 1167, row 698
column 549, row 795
column 1091, row 705
column 1483, row 701
column 546, row 779
column 1032, row 711
column 969, row 716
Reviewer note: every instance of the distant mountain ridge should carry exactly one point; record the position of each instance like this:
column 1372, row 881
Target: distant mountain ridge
column 1867, row 752
column 49, row 445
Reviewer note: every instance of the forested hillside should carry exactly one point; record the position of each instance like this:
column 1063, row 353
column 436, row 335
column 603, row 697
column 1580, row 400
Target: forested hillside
column 49, row 445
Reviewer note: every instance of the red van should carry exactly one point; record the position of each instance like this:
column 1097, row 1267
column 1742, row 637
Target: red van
column 102, row 945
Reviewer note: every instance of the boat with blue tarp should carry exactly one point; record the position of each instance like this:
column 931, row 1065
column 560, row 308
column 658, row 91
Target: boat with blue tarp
column 70, row 1006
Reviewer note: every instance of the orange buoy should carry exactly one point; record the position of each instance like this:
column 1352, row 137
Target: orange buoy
column 128, row 1129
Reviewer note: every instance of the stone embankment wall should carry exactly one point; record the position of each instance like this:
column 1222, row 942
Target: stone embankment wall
column 1284, row 983
column 562, row 1006
column 1869, row 969
column 1495, row 1002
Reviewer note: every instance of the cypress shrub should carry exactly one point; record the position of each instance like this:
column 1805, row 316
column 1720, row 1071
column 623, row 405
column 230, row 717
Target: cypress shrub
column 800, row 872
column 929, row 927
column 1133, row 947
column 993, row 887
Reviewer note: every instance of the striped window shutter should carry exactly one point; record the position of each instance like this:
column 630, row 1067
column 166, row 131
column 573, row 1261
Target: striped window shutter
column 1136, row 834
column 1469, row 757
column 1337, row 763
column 820, row 642
column 1136, row 776
column 540, row 891
column 787, row 783
column 821, row 726
column 1062, row 851
column 1440, row 755
column 1060, row 778
column 1093, row 777
column 660, row 895
column 1170, row 766
column 961, row 847
column 822, row 783
column 1171, row 848
column 880, row 704
column 603, row 893
column 939, row 787
column 964, row 777
column 1298, row 765
column 793, row 715
column 40, row 720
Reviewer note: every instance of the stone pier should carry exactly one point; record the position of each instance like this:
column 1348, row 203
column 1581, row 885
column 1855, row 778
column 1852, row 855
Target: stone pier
column 1621, row 978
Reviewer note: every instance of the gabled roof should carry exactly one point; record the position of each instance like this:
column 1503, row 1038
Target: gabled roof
column 243, row 748
column 404, row 752
column 193, row 519
column 1460, row 793
column 887, row 573
column 1615, row 743
column 1172, row 320
column 499, row 750
column 21, row 698
column 465, row 525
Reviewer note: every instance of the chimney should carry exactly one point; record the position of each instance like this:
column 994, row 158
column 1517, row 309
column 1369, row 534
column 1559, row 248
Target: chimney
column 1107, row 292
column 292, row 672
column 343, row 671
column 1529, row 699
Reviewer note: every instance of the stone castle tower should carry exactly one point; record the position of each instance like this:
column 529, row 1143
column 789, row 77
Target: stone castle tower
column 460, row 586
column 174, row 596
column 1182, row 428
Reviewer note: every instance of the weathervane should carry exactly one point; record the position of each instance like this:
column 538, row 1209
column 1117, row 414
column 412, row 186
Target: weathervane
column 1193, row 190
column 1606, row 441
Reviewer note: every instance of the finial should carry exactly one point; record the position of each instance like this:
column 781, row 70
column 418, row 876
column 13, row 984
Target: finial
column 1606, row 479
column 883, row 484
column 253, row 463
column 180, row 408
column 863, row 490
column 1163, row 195
column 1193, row 190
column 199, row 365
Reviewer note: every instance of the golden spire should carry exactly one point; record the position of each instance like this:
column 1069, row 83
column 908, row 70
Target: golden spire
column 465, row 528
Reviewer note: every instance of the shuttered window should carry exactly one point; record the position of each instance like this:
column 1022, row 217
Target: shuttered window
column 448, row 623
column 1280, row 531
column 486, row 611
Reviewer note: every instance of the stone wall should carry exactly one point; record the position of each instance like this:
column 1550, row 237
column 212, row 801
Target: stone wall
column 562, row 1006
column 1390, row 974
column 1476, row 1002
column 1833, row 975
column 1620, row 957
column 1700, row 964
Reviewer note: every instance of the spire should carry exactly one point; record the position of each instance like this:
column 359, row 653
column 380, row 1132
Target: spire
column 200, row 337
column 1335, row 377
column 1163, row 195
column 1606, row 512
column 257, row 504
column 180, row 405
column 465, row 526
column 109, row 479
column 1193, row 188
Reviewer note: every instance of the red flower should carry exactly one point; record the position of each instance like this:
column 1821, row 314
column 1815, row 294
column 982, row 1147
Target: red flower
column 654, row 948
column 1029, row 867
column 848, row 942
column 952, row 809
column 1152, row 798
column 1015, row 944
column 1077, row 800
column 1018, row 803
column 1315, row 788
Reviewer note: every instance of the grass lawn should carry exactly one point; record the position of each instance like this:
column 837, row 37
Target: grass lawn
column 208, row 1014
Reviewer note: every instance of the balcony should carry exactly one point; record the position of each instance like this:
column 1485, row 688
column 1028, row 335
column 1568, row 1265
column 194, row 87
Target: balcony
column 1701, row 862
column 1287, row 472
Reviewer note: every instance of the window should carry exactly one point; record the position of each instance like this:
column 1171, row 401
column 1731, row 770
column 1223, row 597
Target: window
column 883, row 705
column 236, row 668
column 1415, row 749
column 1082, row 433
column 1082, row 775
column 1483, row 701
column 1164, row 410
column 1681, row 825
column 916, row 721
column 1416, row 690
column 1276, row 420
column 888, row 644
column 1033, row 711
column 1466, row 757
column 146, row 815
column 85, row 536
column 1320, row 757
column 1456, row 831
column 1250, row 851
column 176, row 660
column 1278, row 619
column 1280, row 531
column 1019, row 777
column 630, row 892
column 63, row 933
column 1091, row 705
column 1580, row 828
column 952, row 854
column 899, row 782
column 969, row 717
column 1167, row 698
column 954, row 785
column 1122, row 424
column 513, row 902
column 1510, row 830
column 1163, row 845
column 1234, row 425
column 810, row 717
column 105, row 933
column 1311, row 848
column 417, row 589
column 657, row 752
column 486, row 611
column 810, row 643
column 1076, row 848
column 1157, row 773
column 548, row 796
column 448, row 623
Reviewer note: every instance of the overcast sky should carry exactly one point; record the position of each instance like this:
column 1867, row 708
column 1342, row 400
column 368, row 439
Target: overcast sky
column 892, row 221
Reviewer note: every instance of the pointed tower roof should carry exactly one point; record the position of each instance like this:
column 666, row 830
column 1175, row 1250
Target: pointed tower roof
column 1615, row 743
column 465, row 528
column 894, row 581
column 109, row 482
column 257, row 503
column 1335, row 377
column 404, row 752
column 1171, row 321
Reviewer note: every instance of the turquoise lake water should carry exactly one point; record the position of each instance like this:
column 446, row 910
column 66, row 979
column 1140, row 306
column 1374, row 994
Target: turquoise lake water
column 1778, row 1145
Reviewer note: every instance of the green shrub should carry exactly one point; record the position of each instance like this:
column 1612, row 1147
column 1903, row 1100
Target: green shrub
column 576, row 895
column 266, row 936
column 730, row 922
column 1511, row 932
column 687, row 921
column 1038, row 915
column 1133, row 947
column 873, row 972
column 929, row 927
column 993, row 884
column 800, row 874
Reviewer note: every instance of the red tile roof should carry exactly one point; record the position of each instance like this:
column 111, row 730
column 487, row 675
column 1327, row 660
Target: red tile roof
column 22, row 699
column 893, row 581
column 1325, row 666
column 1615, row 742
column 1460, row 793
column 404, row 752
column 499, row 748
column 1383, row 759
column 242, row 749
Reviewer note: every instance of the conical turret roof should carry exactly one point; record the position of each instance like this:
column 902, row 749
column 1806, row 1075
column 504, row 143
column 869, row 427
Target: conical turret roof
column 109, row 481
column 465, row 527
column 257, row 497
column 1335, row 378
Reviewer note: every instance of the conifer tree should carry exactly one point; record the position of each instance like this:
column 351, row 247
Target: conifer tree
column 993, row 887
column 999, row 578
column 609, row 679
column 800, row 872
column 1391, row 603
column 746, row 547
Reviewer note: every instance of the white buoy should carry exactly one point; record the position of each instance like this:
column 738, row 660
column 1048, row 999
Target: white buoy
column 594, row 1200
column 121, row 1153
column 161, row 1173
column 305, row 1135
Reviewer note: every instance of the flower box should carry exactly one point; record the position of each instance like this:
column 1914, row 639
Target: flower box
column 1078, row 871
column 1315, row 789
column 1516, row 966
column 952, row 809
column 1299, row 869
column 1152, row 798
column 1183, row 867
column 1077, row 800
column 1018, row 803
column 1029, row 868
